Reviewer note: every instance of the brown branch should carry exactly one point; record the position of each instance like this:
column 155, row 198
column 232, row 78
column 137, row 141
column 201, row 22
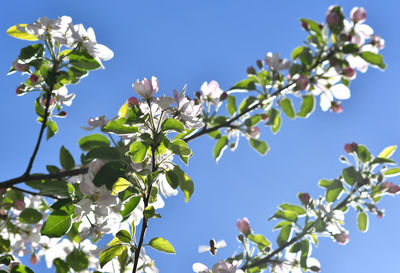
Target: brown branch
column 35, row 193
column 25, row 178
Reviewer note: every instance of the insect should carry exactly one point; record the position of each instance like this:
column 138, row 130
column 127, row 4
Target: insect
column 212, row 247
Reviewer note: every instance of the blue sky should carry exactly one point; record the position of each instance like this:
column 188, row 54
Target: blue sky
column 195, row 41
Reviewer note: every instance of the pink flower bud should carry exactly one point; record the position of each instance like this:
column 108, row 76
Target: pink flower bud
column 302, row 83
column 342, row 238
column 254, row 132
column 380, row 214
column 351, row 147
column 132, row 101
column 349, row 72
column 315, row 268
column 336, row 107
column 391, row 188
column 332, row 19
column 19, row 205
column 358, row 15
column 34, row 259
column 20, row 90
column 251, row 70
column 146, row 88
column 304, row 198
column 62, row 114
column 259, row 64
column 223, row 96
column 304, row 25
column 264, row 116
column 34, row 78
column 243, row 225
column 20, row 67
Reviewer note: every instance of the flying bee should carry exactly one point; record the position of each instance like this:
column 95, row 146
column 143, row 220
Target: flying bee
column 212, row 247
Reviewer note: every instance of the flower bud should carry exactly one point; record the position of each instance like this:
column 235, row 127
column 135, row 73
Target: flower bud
column 380, row 214
column 304, row 198
column 197, row 94
column 264, row 116
column 146, row 88
column 223, row 96
column 260, row 64
column 132, row 101
column 251, row 70
column 34, row 78
column 315, row 269
column 336, row 107
column 19, row 205
column 62, row 114
column 34, row 259
column 342, row 238
column 349, row 72
column 332, row 18
column 19, row 66
column 20, row 90
column 358, row 15
column 390, row 187
column 302, row 83
column 378, row 42
column 351, row 147
column 304, row 25
column 243, row 225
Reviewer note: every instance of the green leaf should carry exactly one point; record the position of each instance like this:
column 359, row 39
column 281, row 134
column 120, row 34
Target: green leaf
column 388, row 151
column 362, row 221
column 118, row 127
column 61, row 266
column 259, row 145
column 52, row 129
column 4, row 245
column 161, row 244
column 363, row 153
column 30, row 216
column 66, row 159
column 296, row 52
column 121, row 185
column 324, row 183
column 382, row 160
column 392, row 172
column 124, row 236
column 247, row 103
column 149, row 212
column 247, row 84
column 171, row 124
column 253, row 120
column 39, row 109
column 334, row 190
column 6, row 259
column 286, row 215
column 312, row 25
column 373, row 58
column 274, row 120
column 130, row 206
column 138, row 151
column 215, row 134
column 83, row 60
column 287, row 107
column 180, row 147
column 21, row 269
column 31, row 52
column 220, row 146
column 350, row 175
column 307, row 106
column 185, row 183
column 104, row 153
column 50, row 187
column 110, row 253
column 56, row 224
column 231, row 105
column 77, row 260
column 109, row 174
column 14, row 32
column 259, row 239
column 295, row 208
column 284, row 235
column 306, row 57
column 172, row 178
column 92, row 141
column 350, row 48
column 282, row 224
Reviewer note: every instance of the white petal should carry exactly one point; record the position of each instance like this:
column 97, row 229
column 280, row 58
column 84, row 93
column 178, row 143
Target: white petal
column 325, row 101
column 199, row 267
column 340, row 91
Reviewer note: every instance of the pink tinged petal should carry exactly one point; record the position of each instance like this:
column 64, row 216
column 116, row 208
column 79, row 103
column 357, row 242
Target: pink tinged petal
column 358, row 15
column 340, row 91
column 87, row 187
column 325, row 101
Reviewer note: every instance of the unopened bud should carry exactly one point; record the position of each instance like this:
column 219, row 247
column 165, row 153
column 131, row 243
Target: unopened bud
column 34, row 259
column 260, row 64
column 332, row 19
column 254, row 132
column 132, row 101
column 223, row 96
column 351, row 147
column 304, row 198
column 358, row 15
column 62, row 114
column 315, row 269
column 342, row 238
column 19, row 91
column 302, row 83
column 349, row 72
column 336, row 107
column 34, row 78
column 19, row 205
column 251, row 70
column 198, row 94
column 264, row 116
column 243, row 225
column 380, row 214
column 20, row 67
column 304, row 25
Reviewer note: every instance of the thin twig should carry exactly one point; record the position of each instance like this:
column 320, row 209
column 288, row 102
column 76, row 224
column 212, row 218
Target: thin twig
column 35, row 193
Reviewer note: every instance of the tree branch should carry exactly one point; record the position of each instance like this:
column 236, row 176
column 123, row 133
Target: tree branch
column 34, row 193
column 25, row 178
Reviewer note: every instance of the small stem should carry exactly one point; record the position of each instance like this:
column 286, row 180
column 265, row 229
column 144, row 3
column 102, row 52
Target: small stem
column 145, row 220
column 35, row 193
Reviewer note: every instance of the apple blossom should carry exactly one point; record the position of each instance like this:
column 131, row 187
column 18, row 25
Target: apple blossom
column 275, row 62
column 95, row 122
column 243, row 225
column 62, row 96
column 342, row 238
column 225, row 267
column 146, row 88
column 358, row 15
column 200, row 268
column 211, row 93
column 302, row 83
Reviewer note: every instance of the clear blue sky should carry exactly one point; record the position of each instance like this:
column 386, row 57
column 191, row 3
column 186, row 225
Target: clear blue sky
column 195, row 41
